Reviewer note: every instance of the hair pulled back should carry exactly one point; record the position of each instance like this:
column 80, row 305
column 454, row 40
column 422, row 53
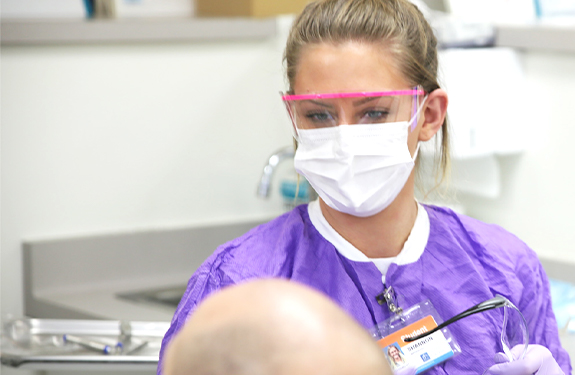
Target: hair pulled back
column 397, row 25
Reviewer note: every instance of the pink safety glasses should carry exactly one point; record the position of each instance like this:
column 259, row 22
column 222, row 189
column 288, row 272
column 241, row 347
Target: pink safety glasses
column 314, row 111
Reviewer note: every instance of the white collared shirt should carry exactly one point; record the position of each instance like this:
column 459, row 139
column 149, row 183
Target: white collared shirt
column 412, row 249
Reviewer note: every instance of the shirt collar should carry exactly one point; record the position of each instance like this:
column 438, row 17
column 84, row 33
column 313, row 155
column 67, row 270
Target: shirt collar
column 412, row 248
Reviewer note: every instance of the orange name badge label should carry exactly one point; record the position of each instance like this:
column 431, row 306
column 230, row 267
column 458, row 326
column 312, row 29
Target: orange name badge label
column 423, row 353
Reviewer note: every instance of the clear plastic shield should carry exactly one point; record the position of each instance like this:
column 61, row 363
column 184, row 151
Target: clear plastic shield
column 316, row 111
column 514, row 334
column 513, row 340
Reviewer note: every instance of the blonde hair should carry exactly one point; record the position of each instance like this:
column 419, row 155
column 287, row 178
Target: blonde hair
column 397, row 25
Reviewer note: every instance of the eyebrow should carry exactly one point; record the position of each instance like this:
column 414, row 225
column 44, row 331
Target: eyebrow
column 365, row 100
column 319, row 103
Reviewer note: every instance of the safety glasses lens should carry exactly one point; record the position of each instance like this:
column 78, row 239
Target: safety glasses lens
column 320, row 113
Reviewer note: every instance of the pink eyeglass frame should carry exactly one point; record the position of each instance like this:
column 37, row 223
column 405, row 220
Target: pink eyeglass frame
column 353, row 94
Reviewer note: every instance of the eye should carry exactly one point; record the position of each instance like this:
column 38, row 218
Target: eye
column 375, row 115
column 319, row 118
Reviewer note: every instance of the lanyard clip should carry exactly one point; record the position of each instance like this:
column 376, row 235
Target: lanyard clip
column 389, row 297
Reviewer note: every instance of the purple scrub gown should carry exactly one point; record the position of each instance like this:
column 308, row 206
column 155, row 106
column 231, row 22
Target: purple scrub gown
column 464, row 262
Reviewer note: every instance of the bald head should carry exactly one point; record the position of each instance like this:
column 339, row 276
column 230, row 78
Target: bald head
column 272, row 327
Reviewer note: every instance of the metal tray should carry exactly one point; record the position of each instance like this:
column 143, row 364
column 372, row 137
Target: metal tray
column 40, row 344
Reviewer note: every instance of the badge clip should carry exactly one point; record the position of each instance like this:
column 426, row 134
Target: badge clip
column 389, row 297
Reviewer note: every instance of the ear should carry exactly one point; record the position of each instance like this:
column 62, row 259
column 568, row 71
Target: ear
column 433, row 114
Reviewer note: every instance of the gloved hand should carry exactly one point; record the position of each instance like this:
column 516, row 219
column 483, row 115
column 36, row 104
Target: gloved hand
column 408, row 369
column 538, row 360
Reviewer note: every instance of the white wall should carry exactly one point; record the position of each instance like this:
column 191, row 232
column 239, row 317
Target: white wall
column 115, row 138
column 99, row 139
column 537, row 202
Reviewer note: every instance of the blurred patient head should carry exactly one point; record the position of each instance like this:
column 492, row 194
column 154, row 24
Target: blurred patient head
column 272, row 327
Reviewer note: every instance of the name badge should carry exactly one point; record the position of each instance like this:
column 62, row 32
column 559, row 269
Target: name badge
column 422, row 354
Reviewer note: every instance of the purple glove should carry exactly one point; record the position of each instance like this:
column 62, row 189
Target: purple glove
column 538, row 360
column 408, row 369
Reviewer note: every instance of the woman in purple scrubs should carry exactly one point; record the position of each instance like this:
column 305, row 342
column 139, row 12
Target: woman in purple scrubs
column 363, row 94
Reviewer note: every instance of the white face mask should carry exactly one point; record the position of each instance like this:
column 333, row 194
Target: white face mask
column 356, row 169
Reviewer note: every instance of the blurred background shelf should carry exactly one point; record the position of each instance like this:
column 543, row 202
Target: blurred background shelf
column 537, row 36
column 34, row 32
column 30, row 32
